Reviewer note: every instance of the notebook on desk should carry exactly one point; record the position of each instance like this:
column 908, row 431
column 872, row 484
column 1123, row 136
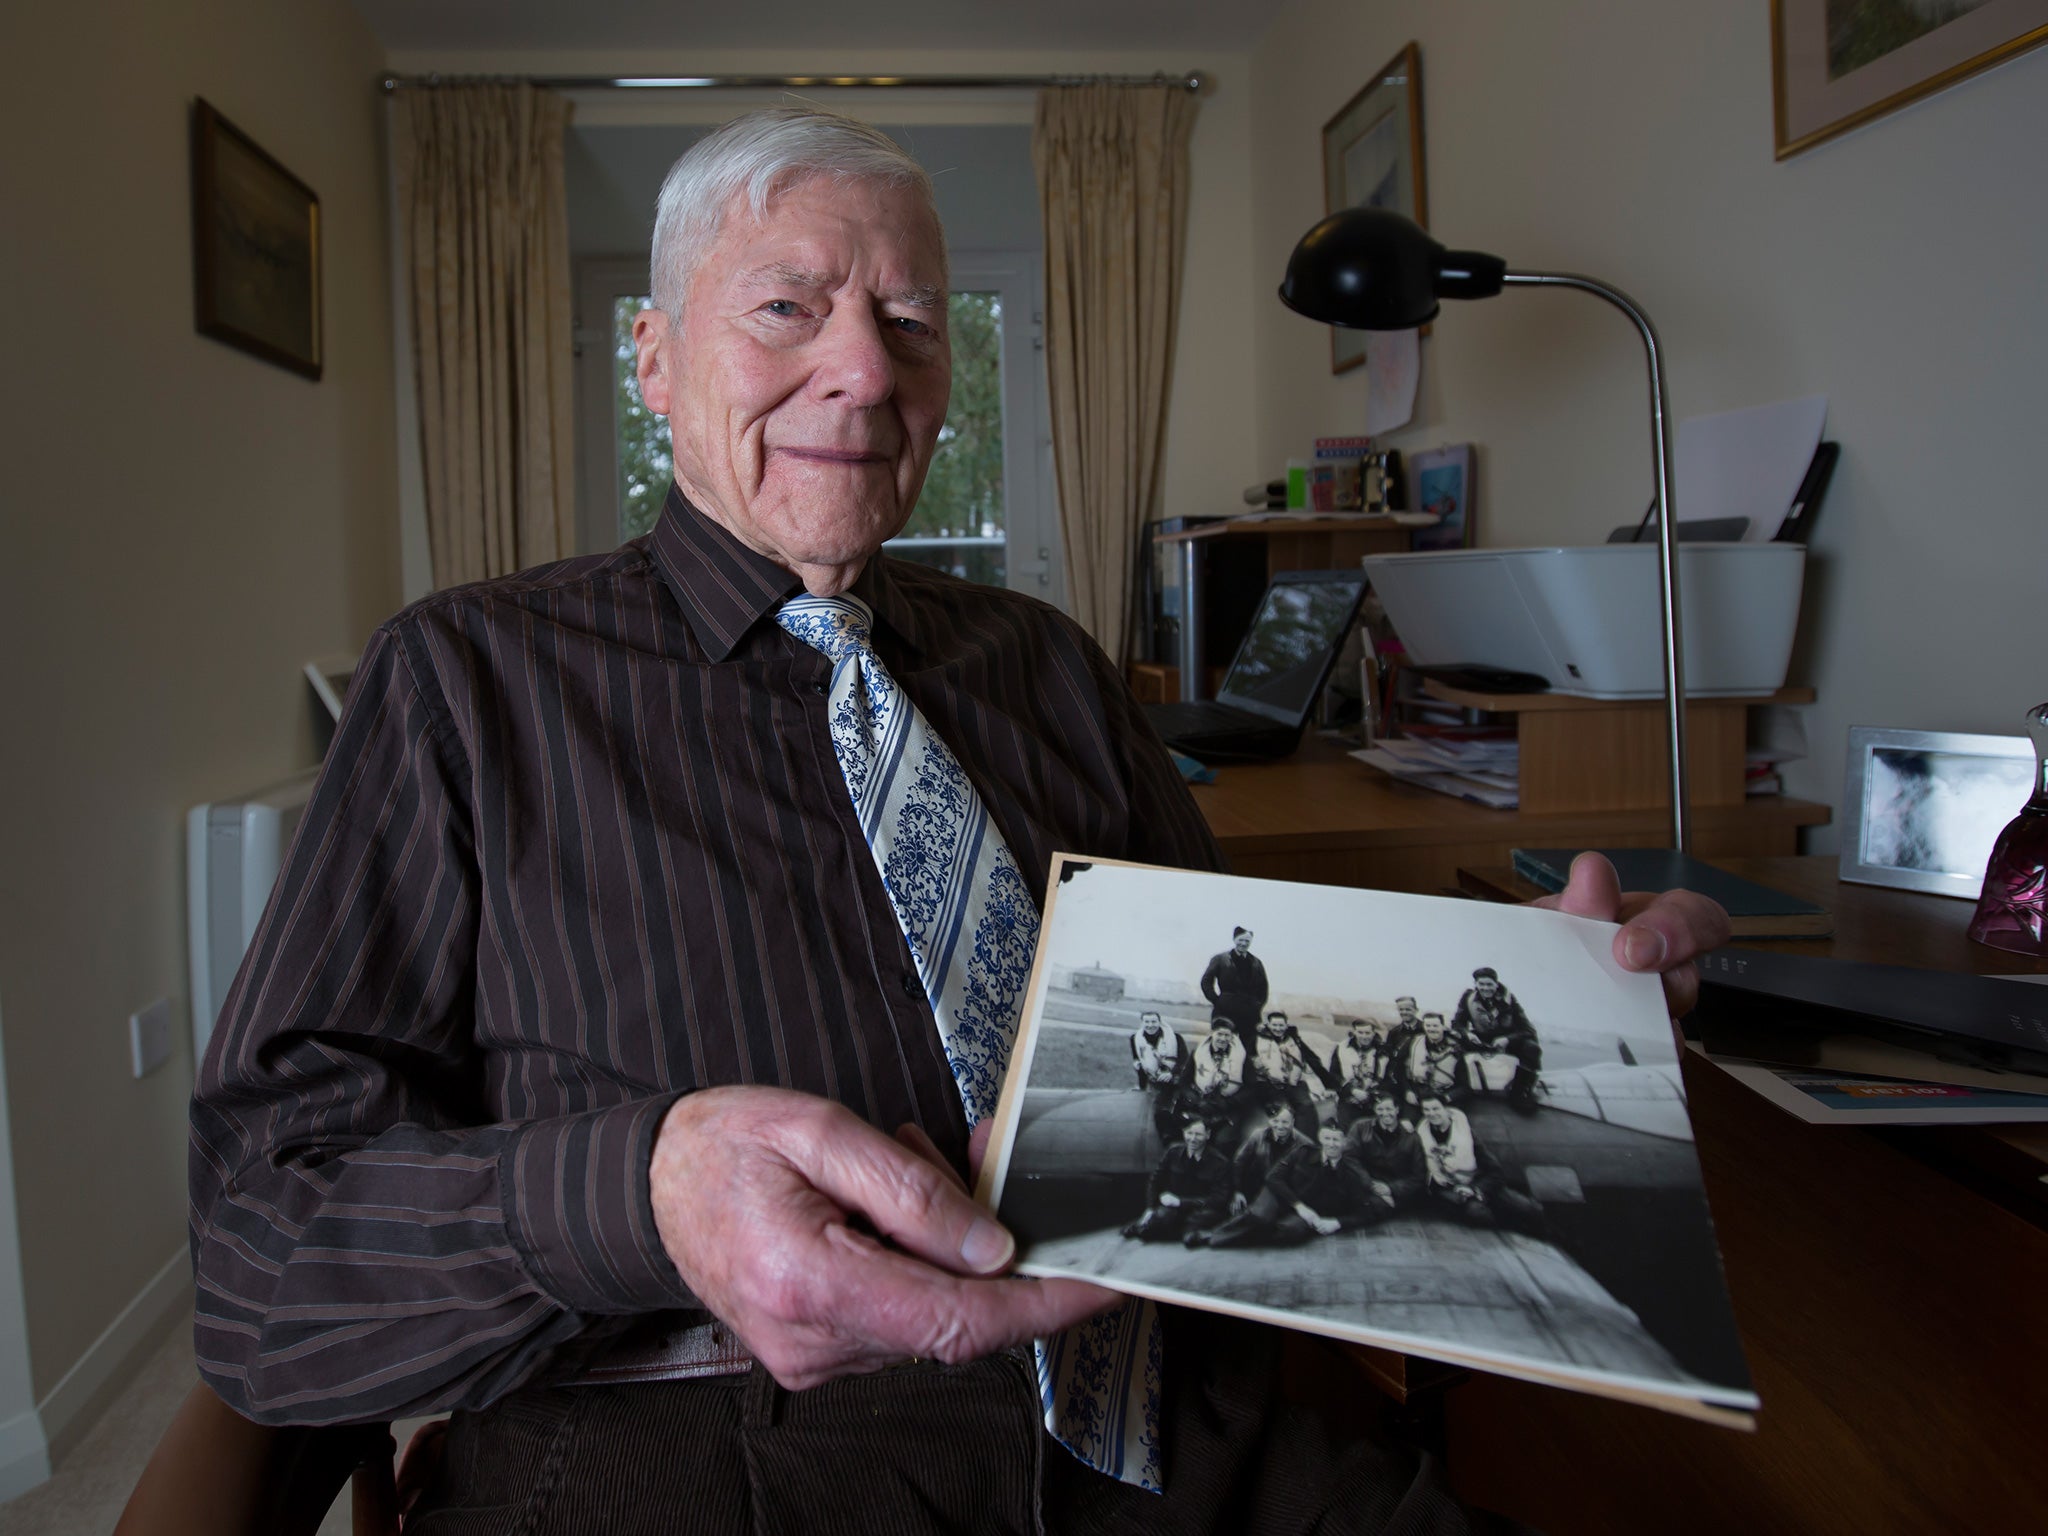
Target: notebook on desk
column 1276, row 676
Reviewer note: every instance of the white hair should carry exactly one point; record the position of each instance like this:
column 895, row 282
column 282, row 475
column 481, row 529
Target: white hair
column 760, row 154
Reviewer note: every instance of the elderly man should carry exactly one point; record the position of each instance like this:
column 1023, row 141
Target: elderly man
column 559, row 1084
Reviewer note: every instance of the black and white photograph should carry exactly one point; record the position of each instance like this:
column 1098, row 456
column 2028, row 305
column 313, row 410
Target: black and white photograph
column 1447, row 1127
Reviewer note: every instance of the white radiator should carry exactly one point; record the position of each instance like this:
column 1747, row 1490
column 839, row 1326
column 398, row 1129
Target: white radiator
column 233, row 851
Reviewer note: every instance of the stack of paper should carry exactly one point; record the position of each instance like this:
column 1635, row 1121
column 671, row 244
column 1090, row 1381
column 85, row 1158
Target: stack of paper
column 1487, row 770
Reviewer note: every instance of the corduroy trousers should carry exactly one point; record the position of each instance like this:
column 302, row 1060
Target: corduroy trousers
column 921, row 1449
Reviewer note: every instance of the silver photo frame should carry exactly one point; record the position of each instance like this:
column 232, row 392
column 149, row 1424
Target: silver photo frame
column 1922, row 808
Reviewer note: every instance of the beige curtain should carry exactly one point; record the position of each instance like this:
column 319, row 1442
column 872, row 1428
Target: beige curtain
column 486, row 235
column 1112, row 184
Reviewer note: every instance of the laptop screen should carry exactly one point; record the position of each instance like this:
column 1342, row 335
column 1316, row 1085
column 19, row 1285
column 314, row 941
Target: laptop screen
column 1287, row 652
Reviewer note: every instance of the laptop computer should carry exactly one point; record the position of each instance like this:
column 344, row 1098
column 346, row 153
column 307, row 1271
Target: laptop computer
column 1277, row 674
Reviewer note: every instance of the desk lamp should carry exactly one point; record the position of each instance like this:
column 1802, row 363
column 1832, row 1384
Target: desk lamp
column 1370, row 269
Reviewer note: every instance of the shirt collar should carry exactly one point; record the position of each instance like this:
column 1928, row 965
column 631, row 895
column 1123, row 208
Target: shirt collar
column 725, row 588
column 879, row 587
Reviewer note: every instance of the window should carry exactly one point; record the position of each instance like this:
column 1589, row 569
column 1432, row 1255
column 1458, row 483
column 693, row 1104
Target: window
column 985, row 513
column 642, row 456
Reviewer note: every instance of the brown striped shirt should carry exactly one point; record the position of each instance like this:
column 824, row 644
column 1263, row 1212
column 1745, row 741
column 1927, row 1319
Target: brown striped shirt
column 581, row 844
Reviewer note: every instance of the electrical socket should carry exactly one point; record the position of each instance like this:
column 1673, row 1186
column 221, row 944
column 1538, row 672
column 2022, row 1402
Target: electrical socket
column 149, row 1037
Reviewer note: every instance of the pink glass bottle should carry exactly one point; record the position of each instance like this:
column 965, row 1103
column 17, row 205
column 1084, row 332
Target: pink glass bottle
column 2010, row 913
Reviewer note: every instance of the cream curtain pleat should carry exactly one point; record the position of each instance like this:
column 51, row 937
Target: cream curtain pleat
column 1112, row 166
column 486, row 233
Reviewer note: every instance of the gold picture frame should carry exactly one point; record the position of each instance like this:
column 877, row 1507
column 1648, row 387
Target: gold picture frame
column 1372, row 157
column 1837, row 64
column 255, row 248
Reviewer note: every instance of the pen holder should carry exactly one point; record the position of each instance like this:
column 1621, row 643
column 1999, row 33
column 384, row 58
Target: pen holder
column 2012, row 912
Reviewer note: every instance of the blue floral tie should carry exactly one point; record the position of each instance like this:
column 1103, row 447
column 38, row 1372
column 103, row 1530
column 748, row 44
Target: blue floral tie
column 972, row 927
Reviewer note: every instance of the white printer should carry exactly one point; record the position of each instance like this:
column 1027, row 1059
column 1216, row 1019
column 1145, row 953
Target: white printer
column 1588, row 621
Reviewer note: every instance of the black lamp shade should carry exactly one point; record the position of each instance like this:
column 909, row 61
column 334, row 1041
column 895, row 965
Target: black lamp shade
column 1372, row 270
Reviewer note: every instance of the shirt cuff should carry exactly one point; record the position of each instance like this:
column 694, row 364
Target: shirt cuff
column 579, row 1210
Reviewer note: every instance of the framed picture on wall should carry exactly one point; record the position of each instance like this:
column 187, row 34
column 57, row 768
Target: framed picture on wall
column 1442, row 486
column 1372, row 158
column 1924, row 807
column 1836, row 64
column 255, row 248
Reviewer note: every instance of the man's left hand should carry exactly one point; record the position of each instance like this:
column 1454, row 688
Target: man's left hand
column 1659, row 932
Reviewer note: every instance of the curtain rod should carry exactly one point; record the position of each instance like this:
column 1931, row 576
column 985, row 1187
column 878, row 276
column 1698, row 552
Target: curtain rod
column 1190, row 81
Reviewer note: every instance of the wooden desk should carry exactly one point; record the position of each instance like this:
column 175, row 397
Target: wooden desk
column 1892, row 1317
column 1322, row 816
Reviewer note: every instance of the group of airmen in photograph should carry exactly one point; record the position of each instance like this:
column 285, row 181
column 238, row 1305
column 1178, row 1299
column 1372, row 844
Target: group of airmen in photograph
column 1249, row 1159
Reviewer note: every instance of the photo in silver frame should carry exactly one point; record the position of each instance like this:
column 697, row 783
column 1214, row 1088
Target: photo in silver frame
column 1922, row 808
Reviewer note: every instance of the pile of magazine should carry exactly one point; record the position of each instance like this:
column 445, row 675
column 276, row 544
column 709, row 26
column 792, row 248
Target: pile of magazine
column 1481, row 768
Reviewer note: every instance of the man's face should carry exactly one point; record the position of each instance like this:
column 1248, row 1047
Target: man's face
column 1433, row 1027
column 1437, row 1113
column 808, row 381
column 1153, row 1028
column 1220, row 1036
column 1281, row 1121
column 1242, row 943
column 1275, row 1025
column 1407, row 1007
column 1361, row 1032
column 1386, row 1114
column 1331, row 1140
column 1486, row 986
column 1195, row 1137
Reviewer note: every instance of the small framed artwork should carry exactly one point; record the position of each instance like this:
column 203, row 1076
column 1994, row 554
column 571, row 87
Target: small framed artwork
column 1836, row 64
column 1372, row 158
column 255, row 248
column 1441, row 482
column 1922, row 808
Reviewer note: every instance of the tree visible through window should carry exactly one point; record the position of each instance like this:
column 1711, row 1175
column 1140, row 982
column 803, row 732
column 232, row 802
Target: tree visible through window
column 646, row 462
column 959, row 523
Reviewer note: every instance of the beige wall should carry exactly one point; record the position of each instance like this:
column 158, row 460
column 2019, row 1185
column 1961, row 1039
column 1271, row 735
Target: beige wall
column 1210, row 446
column 184, row 527
column 1897, row 270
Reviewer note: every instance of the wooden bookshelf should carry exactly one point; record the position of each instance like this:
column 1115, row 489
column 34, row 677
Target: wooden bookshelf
column 1582, row 754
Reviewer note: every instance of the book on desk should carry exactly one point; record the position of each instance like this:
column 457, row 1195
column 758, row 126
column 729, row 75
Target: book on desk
column 1754, row 911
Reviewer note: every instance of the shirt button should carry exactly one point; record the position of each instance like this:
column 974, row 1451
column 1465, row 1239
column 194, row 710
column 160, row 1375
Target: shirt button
column 821, row 689
column 912, row 987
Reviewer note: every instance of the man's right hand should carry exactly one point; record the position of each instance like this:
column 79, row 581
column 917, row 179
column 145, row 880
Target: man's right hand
column 752, row 1190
